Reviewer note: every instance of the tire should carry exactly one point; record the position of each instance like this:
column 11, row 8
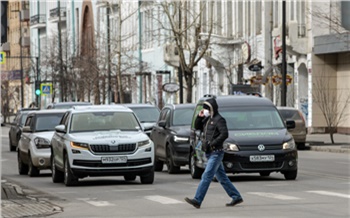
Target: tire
column 130, row 177
column 290, row 175
column 196, row 172
column 32, row 170
column 22, row 167
column 57, row 176
column 158, row 165
column 12, row 148
column 170, row 163
column 301, row 146
column 147, row 178
column 69, row 178
column 265, row 173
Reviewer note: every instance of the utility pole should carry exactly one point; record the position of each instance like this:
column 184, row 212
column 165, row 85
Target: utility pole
column 140, row 51
column 284, row 62
column 180, row 69
column 109, row 56
column 60, row 52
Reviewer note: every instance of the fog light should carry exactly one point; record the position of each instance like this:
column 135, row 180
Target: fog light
column 229, row 165
column 291, row 163
column 74, row 151
column 148, row 149
column 41, row 161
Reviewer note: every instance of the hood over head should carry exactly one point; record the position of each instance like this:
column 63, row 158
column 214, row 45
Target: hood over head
column 211, row 105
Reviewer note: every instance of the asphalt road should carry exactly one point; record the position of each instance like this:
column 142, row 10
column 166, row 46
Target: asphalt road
column 322, row 189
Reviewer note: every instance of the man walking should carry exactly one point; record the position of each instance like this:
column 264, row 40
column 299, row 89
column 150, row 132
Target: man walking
column 214, row 129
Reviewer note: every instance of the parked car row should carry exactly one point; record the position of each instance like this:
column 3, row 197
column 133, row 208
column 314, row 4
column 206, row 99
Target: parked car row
column 133, row 140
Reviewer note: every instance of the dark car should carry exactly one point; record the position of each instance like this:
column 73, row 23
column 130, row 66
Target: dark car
column 147, row 114
column 17, row 126
column 66, row 105
column 171, row 137
column 258, row 142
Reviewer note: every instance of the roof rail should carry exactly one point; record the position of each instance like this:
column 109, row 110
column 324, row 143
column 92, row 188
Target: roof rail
column 209, row 96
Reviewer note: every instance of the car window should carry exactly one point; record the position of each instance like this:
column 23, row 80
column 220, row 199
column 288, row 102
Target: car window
column 163, row 114
column 104, row 121
column 146, row 114
column 28, row 121
column 23, row 118
column 242, row 118
column 195, row 114
column 182, row 116
column 47, row 122
column 290, row 114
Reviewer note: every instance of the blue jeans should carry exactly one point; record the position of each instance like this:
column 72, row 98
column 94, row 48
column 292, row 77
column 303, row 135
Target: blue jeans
column 215, row 167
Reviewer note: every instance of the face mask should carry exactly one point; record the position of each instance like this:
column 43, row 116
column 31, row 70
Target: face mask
column 206, row 113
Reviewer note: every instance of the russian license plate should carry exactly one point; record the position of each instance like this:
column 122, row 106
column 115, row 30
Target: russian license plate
column 262, row 158
column 114, row 159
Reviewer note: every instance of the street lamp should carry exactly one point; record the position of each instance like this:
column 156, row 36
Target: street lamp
column 21, row 54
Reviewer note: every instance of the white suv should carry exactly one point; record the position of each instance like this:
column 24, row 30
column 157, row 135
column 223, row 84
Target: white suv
column 101, row 140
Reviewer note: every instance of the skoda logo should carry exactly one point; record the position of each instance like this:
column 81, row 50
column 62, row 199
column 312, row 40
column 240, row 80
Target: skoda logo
column 113, row 141
column 261, row 147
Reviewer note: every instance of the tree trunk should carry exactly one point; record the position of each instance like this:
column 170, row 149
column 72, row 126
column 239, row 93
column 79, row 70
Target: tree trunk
column 331, row 133
column 189, row 82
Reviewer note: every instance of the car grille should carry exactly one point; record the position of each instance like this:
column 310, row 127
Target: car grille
column 255, row 147
column 120, row 148
column 262, row 165
column 94, row 163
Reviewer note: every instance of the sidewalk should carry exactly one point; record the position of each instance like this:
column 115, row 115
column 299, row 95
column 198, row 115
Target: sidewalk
column 322, row 142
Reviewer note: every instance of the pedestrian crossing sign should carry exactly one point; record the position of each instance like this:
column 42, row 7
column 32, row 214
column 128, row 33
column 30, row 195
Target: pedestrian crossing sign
column 2, row 57
column 46, row 89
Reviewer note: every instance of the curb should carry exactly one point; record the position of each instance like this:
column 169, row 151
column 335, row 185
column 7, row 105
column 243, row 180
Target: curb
column 334, row 149
column 15, row 203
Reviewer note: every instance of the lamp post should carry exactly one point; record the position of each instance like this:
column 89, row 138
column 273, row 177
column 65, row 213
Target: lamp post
column 109, row 56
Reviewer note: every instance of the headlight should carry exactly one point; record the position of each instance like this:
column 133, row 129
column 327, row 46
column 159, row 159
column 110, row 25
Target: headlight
column 79, row 145
column 181, row 139
column 231, row 147
column 42, row 143
column 289, row 145
column 142, row 143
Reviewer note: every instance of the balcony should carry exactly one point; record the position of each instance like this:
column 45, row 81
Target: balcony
column 25, row 15
column 101, row 3
column 38, row 21
column 56, row 13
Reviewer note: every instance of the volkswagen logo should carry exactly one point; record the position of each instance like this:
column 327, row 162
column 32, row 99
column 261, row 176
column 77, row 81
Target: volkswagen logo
column 261, row 147
column 113, row 141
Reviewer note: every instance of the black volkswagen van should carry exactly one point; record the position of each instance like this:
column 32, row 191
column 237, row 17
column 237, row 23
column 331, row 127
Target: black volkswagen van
column 258, row 139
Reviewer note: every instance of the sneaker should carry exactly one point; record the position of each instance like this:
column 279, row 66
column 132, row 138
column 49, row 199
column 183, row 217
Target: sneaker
column 234, row 202
column 193, row 202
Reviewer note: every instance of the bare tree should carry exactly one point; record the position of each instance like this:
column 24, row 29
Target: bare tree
column 331, row 101
column 190, row 25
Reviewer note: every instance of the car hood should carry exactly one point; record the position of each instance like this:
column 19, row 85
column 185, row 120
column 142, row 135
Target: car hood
column 47, row 135
column 252, row 137
column 148, row 125
column 182, row 130
column 109, row 137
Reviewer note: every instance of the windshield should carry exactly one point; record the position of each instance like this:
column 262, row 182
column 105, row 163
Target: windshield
column 47, row 122
column 290, row 114
column 147, row 114
column 243, row 118
column 183, row 116
column 104, row 121
column 23, row 118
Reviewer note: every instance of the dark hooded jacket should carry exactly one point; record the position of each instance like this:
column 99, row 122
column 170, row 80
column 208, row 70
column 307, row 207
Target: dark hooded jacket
column 214, row 127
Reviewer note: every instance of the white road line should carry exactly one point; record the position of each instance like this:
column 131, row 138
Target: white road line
column 96, row 203
column 330, row 194
column 133, row 190
column 162, row 199
column 272, row 195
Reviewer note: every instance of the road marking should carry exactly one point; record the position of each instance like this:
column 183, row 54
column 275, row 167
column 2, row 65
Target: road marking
column 162, row 199
column 330, row 194
column 133, row 190
column 272, row 195
column 96, row 203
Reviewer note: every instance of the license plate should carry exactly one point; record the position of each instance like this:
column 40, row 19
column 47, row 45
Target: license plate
column 114, row 159
column 262, row 158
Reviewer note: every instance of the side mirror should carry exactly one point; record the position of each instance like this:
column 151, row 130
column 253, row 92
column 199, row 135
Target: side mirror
column 61, row 128
column 290, row 124
column 162, row 123
column 26, row 129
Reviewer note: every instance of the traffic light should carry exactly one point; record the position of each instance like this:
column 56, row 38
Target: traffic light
column 37, row 88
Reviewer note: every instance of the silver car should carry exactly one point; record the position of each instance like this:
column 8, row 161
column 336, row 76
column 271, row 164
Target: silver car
column 101, row 140
column 300, row 131
column 33, row 152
